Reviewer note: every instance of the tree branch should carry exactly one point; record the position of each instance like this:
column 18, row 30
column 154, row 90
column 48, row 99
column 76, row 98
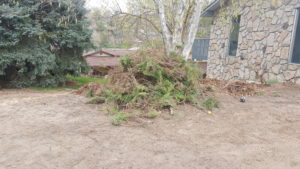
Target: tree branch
column 143, row 18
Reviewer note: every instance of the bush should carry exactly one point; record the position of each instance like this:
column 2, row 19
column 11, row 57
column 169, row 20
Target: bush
column 41, row 41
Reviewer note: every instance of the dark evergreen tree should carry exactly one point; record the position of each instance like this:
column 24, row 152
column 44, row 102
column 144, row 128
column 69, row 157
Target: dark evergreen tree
column 41, row 41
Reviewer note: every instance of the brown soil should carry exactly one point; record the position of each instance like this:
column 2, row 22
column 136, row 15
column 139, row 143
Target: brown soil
column 234, row 88
column 56, row 130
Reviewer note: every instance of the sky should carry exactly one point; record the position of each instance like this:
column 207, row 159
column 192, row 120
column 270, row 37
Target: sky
column 106, row 3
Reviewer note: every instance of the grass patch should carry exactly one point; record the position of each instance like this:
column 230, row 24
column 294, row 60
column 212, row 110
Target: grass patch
column 152, row 114
column 272, row 81
column 79, row 80
column 48, row 88
column 260, row 94
column 210, row 89
column 276, row 95
column 96, row 100
column 82, row 80
column 210, row 103
column 119, row 118
column 90, row 93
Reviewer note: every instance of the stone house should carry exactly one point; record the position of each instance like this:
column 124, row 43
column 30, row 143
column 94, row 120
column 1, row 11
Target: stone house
column 257, row 42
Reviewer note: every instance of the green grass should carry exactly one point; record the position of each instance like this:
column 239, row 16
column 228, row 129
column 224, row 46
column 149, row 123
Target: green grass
column 210, row 103
column 276, row 95
column 272, row 81
column 260, row 94
column 50, row 88
column 152, row 114
column 80, row 80
column 119, row 118
column 96, row 100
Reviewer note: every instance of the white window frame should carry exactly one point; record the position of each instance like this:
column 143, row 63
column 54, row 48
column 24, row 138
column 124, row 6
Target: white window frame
column 297, row 14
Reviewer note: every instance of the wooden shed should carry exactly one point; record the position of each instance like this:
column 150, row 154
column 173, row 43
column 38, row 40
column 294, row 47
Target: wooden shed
column 103, row 60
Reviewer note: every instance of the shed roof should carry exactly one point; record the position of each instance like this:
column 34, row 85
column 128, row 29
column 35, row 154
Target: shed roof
column 118, row 52
column 111, row 52
column 212, row 8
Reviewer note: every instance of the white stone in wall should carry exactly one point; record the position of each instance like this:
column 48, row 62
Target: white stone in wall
column 276, row 69
column 283, row 35
column 291, row 20
column 287, row 41
column 297, row 75
column 289, row 75
column 272, row 76
column 293, row 67
column 284, row 53
column 274, row 20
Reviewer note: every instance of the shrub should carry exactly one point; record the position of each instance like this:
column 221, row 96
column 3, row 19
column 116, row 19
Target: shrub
column 126, row 62
column 41, row 41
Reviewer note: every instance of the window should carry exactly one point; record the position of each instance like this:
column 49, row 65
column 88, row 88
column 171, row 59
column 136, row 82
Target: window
column 234, row 35
column 296, row 47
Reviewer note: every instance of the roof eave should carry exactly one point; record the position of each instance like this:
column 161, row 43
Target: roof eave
column 208, row 13
column 212, row 8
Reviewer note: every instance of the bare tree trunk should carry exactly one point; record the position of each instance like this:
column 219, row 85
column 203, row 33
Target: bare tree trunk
column 174, row 39
column 181, row 6
column 166, row 35
column 192, row 31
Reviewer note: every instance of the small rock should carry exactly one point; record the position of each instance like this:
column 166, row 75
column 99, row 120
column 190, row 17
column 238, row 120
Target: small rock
column 243, row 99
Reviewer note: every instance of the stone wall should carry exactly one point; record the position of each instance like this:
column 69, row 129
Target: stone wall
column 265, row 40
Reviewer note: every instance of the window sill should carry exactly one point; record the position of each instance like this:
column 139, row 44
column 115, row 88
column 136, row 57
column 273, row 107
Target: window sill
column 294, row 63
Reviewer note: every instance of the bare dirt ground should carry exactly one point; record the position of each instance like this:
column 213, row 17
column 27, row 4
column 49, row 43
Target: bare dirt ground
column 55, row 130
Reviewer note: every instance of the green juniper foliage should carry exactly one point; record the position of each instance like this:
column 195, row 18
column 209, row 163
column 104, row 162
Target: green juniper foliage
column 41, row 41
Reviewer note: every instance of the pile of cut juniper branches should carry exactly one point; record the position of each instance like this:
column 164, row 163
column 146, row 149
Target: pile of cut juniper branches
column 146, row 83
